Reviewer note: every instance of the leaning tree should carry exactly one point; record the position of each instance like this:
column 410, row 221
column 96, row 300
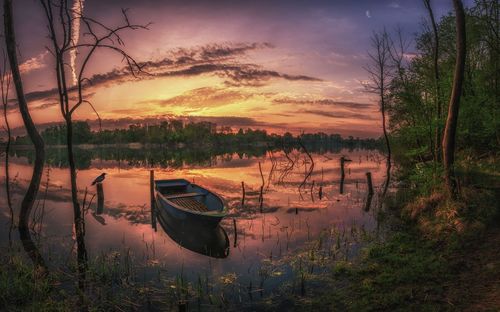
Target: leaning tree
column 32, row 191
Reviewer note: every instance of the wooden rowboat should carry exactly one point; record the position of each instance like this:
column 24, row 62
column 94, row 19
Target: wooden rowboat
column 189, row 203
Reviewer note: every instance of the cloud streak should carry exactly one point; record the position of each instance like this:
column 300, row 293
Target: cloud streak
column 222, row 60
column 339, row 115
column 324, row 102
column 202, row 98
column 33, row 63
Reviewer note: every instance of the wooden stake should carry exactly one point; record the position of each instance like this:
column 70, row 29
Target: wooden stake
column 342, row 174
column 369, row 182
column 261, row 198
column 100, row 198
column 243, row 194
column 235, row 232
column 312, row 191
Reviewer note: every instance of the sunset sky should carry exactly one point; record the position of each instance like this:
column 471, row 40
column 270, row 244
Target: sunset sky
column 276, row 65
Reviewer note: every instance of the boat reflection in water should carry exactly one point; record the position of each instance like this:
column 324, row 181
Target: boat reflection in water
column 205, row 240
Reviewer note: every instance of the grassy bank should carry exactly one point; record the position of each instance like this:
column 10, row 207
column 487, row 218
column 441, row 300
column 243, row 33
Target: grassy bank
column 440, row 254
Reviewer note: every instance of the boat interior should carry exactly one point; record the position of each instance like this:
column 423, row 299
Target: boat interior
column 189, row 196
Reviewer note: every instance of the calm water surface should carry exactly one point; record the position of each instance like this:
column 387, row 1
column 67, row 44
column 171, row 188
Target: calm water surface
column 289, row 221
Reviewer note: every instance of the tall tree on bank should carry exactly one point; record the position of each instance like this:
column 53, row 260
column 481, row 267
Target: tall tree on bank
column 10, row 42
column 61, row 18
column 380, row 72
column 449, row 138
column 437, row 87
column 30, row 196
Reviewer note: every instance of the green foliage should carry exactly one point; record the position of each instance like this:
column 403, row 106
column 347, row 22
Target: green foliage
column 424, row 178
column 21, row 289
column 413, row 109
column 403, row 274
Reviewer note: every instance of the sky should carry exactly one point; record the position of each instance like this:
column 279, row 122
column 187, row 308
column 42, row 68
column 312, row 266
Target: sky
column 276, row 65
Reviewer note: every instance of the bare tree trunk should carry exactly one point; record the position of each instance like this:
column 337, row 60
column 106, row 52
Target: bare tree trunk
column 437, row 134
column 388, row 145
column 78, row 216
column 384, row 127
column 453, row 109
column 31, row 193
column 380, row 72
column 32, row 250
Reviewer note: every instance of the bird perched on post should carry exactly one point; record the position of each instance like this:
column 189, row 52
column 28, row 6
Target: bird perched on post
column 99, row 179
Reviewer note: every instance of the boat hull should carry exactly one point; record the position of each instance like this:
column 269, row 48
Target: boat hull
column 187, row 217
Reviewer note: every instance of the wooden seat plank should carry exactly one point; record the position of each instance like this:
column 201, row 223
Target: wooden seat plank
column 189, row 203
column 182, row 195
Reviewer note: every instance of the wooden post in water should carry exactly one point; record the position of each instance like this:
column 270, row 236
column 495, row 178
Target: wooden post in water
column 100, row 198
column 261, row 196
column 369, row 182
column 342, row 174
column 312, row 191
column 320, row 193
column 261, row 199
column 235, row 232
column 342, row 162
column 243, row 194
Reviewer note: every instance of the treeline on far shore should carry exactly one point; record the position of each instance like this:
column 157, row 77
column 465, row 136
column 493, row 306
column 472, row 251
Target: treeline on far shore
column 194, row 134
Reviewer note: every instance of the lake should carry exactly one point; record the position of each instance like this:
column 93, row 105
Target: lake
column 294, row 231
